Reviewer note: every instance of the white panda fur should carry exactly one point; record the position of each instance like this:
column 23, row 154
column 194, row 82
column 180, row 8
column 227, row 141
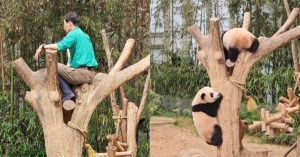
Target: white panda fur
column 237, row 39
column 205, row 106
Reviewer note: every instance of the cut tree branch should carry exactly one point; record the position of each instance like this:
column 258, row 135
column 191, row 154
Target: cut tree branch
column 267, row 45
column 52, row 77
column 289, row 22
column 123, row 57
column 197, row 35
column 144, row 97
column 26, row 73
column 216, row 40
column 246, row 21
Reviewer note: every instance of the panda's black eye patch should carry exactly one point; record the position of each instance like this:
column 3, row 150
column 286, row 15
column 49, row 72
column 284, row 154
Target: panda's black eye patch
column 202, row 96
column 211, row 95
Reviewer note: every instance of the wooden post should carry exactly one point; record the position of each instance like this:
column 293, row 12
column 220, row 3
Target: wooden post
column 254, row 152
column 111, row 151
column 131, row 127
column 263, row 119
column 2, row 62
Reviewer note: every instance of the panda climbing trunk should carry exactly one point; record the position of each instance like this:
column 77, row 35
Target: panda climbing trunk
column 228, row 118
column 231, row 81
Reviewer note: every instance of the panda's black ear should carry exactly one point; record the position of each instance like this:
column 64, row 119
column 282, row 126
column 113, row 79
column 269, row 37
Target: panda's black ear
column 202, row 96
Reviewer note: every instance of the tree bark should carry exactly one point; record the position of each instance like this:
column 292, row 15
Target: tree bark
column 212, row 58
column 61, row 139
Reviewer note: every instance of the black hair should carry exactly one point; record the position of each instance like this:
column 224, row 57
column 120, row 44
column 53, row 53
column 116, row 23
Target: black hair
column 73, row 17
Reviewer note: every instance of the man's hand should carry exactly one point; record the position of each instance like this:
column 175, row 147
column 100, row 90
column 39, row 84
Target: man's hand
column 38, row 52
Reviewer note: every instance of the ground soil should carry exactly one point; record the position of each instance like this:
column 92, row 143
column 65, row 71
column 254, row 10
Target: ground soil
column 168, row 140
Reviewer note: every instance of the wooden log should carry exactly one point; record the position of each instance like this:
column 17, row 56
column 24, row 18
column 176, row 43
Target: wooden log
column 128, row 153
column 131, row 127
column 271, row 133
column 117, row 143
column 113, row 141
column 291, row 94
column 288, row 120
column 111, row 151
column 276, row 117
column 275, row 125
column 254, row 152
column 294, row 109
column 293, row 102
column 280, row 107
column 68, row 109
column 284, row 100
column 268, row 126
column 263, row 119
column 290, row 129
column 255, row 125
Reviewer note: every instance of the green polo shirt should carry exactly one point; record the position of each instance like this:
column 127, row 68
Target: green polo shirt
column 81, row 48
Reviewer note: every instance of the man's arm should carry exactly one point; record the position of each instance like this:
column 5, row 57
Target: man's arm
column 39, row 51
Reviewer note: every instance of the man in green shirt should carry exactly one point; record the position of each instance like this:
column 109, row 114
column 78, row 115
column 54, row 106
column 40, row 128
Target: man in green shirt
column 81, row 61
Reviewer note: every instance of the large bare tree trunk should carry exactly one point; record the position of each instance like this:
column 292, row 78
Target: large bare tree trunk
column 212, row 58
column 61, row 139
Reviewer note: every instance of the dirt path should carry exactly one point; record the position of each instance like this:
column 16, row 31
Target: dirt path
column 167, row 140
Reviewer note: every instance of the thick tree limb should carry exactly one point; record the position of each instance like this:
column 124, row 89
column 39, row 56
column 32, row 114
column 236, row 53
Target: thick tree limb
column 246, row 21
column 144, row 97
column 81, row 115
column 123, row 57
column 197, row 35
column 267, row 45
column 289, row 22
column 216, row 40
column 52, row 77
column 26, row 73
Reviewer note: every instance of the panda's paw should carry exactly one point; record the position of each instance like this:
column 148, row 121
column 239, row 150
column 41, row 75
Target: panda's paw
column 229, row 64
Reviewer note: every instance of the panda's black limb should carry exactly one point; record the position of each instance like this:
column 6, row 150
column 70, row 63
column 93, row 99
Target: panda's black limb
column 233, row 54
column 216, row 139
column 225, row 53
column 254, row 46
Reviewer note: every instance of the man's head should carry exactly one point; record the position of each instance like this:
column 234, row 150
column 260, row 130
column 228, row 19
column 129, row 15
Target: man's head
column 71, row 20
